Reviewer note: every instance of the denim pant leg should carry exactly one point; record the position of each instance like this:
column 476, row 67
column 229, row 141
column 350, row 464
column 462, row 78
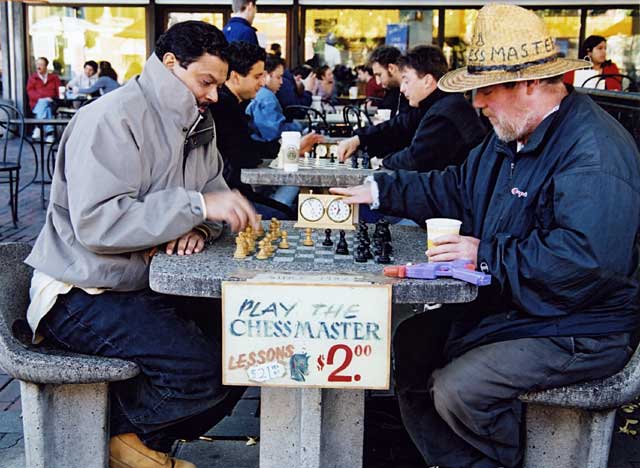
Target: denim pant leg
column 180, row 360
column 44, row 110
column 476, row 394
column 286, row 194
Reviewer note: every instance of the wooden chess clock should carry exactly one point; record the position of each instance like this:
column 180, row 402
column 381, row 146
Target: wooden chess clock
column 325, row 150
column 325, row 211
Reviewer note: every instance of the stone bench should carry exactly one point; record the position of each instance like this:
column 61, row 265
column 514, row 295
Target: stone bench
column 65, row 405
column 571, row 427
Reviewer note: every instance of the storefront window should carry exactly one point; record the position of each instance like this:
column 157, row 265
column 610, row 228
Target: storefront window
column 69, row 36
column 564, row 26
column 272, row 28
column 356, row 32
column 458, row 25
column 215, row 19
column 621, row 28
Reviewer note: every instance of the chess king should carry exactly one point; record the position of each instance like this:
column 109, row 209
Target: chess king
column 564, row 297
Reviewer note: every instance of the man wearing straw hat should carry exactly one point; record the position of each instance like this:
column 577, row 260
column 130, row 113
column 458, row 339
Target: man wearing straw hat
column 550, row 207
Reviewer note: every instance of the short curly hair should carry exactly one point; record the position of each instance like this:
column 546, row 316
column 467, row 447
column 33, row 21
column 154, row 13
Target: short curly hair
column 244, row 55
column 425, row 60
column 190, row 40
column 385, row 55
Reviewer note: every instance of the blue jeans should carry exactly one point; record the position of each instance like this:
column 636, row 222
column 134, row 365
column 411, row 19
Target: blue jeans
column 44, row 110
column 177, row 345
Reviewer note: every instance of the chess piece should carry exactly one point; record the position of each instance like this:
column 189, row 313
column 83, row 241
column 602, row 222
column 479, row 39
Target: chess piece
column 377, row 246
column 263, row 253
column 332, row 159
column 363, row 229
column 354, row 162
column 366, row 161
column 360, row 256
column 284, row 243
column 240, row 247
column 308, row 241
column 385, row 256
column 342, row 248
column 327, row 242
column 260, row 231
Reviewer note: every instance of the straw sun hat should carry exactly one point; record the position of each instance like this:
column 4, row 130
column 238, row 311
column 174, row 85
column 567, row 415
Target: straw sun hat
column 509, row 43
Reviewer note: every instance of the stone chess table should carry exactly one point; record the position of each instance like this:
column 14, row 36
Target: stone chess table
column 306, row 427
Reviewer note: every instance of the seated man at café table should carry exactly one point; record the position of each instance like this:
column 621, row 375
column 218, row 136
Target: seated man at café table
column 366, row 80
column 385, row 63
column 240, row 151
column 550, row 207
column 85, row 79
column 135, row 170
column 440, row 130
column 42, row 89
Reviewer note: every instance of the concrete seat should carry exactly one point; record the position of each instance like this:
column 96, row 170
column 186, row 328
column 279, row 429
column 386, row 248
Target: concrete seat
column 64, row 395
column 571, row 427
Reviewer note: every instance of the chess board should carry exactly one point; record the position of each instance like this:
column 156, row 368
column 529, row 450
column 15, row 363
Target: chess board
column 323, row 163
column 317, row 254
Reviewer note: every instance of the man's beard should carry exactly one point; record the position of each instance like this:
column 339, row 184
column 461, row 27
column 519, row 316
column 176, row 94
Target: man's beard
column 509, row 128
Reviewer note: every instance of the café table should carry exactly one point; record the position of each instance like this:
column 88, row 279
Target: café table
column 306, row 427
column 41, row 123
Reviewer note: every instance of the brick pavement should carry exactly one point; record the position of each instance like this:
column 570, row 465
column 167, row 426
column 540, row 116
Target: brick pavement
column 625, row 452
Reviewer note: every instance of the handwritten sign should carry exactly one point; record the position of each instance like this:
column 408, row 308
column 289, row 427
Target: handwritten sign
column 306, row 335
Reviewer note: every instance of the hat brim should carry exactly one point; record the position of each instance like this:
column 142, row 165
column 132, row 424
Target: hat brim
column 460, row 80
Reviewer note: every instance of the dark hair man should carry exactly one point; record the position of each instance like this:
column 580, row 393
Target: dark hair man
column 385, row 64
column 533, row 199
column 42, row 88
column 440, row 130
column 86, row 79
column 238, row 149
column 137, row 169
column 239, row 26
column 371, row 86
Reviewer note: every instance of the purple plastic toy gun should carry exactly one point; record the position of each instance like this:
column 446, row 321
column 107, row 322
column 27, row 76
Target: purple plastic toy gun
column 460, row 269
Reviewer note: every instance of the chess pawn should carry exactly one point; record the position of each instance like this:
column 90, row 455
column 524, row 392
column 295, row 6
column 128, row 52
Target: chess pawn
column 260, row 231
column 262, row 253
column 240, row 248
column 308, row 241
column 284, row 243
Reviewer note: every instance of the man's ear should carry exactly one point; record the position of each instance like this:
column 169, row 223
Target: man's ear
column 169, row 60
column 233, row 77
column 393, row 69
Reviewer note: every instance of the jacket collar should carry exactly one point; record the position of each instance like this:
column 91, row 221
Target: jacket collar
column 239, row 19
column 168, row 94
column 541, row 134
column 431, row 99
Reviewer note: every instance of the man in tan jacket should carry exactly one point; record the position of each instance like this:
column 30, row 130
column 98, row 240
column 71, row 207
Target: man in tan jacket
column 137, row 169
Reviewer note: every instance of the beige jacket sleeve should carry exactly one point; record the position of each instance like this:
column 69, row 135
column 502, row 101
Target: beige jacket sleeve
column 109, row 212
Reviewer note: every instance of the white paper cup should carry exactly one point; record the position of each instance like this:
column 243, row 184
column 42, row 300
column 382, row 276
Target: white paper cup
column 289, row 150
column 437, row 227
column 353, row 92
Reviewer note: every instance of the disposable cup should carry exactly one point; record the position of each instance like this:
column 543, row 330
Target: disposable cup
column 289, row 150
column 353, row 92
column 384, row 114
column 437, row 227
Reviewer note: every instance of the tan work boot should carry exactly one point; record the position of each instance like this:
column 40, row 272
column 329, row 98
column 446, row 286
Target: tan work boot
column 128, row 451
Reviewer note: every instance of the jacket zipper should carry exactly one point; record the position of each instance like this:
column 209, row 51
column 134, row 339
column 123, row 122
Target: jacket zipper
column 512, row 167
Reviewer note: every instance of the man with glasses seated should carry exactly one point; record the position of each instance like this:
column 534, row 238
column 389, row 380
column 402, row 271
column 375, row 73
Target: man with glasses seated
column 42, row 89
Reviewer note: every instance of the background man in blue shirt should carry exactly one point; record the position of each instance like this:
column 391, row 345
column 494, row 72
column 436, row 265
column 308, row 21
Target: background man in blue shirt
column 239, row 26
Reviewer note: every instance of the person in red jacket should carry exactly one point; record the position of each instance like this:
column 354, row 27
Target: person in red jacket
column 594, row 49
column 42, row 87
column 371, row 86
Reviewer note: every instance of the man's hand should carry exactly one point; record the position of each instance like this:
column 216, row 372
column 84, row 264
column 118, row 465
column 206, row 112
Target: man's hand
column 453, row 247
column 307, row 142
column 355, row 195
column 232, row 207
column 347, row 147
column 310, row 82
column 191, row 242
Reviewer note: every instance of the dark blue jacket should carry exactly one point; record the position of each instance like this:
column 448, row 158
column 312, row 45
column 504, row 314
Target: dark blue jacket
column 559, row 224
column 439, row 132
column 393, row 99
column 239, row 29
column 288, row 95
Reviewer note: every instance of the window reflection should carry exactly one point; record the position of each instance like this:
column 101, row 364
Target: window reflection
column 564, row 26
column 356, row 32
column 458, row 26
column 621, row 28
column 214, row 19
column 271, row 28
column 69, row 36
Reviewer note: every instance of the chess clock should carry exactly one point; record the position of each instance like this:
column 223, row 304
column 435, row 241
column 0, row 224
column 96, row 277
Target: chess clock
column 325, row 150
column 325, row 211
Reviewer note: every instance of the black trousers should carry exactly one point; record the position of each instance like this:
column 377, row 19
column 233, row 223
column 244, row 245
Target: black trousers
column 466, row 413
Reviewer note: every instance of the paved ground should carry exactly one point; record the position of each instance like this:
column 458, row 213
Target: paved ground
column 231, row 443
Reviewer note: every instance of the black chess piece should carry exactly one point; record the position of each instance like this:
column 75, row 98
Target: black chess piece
column 354, row 162
column 342, row 248
column 384, row 230
column 377, row 246
column 361, row 255
column 385, row 256
column 332, row 159
column 363, row 229
column 327, row 242
column 366, row 161
column 367, row 250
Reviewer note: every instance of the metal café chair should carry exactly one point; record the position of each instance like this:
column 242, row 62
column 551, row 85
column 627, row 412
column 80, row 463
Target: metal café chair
column 315, row 119
column 632, row 86
column 355, row 117
column 13, row 122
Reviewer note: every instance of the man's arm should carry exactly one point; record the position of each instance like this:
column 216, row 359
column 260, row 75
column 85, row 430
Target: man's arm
column 392, row 135
column 583, row 250
column 434, row 144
